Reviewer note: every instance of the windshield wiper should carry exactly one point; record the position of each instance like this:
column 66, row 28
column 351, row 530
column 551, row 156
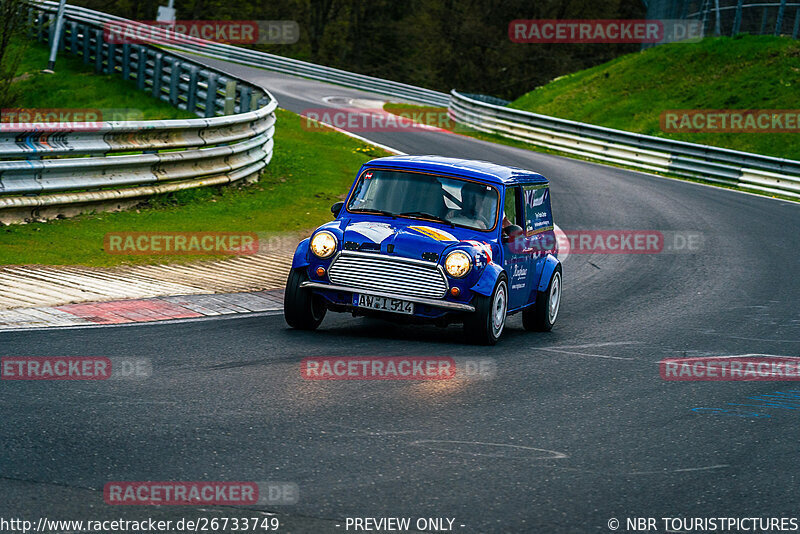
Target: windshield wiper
column 427, row 216
column 373, row 210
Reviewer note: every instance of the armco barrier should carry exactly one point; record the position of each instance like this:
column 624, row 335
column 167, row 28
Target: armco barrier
column 46, row 167
column 749, row 171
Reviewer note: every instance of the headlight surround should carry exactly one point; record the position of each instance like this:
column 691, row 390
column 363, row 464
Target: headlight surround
column 458, row 264
column 323, row 244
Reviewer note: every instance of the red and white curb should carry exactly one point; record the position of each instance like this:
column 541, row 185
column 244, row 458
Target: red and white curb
column 141, row 310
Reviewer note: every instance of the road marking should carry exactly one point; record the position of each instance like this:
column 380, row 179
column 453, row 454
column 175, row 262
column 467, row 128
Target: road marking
column 553, row 455
column 587, row 354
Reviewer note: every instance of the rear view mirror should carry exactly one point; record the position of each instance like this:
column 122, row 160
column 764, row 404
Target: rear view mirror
column 336, row 208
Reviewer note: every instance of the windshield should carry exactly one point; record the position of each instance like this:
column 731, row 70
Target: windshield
column 408, row 194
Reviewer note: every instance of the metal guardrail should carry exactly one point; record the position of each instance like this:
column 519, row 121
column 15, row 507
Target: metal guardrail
column 47, row 165
column 742, row 169
column 263, row 60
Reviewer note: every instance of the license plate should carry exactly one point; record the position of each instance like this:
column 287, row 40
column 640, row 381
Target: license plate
column 383, row 304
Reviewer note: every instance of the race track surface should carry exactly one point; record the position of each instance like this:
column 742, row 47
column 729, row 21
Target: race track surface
column 577, row 426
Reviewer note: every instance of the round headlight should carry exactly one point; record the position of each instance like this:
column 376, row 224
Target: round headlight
column 458, row 264
column 323, row 245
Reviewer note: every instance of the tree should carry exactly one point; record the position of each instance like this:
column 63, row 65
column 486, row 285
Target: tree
column 11, row 17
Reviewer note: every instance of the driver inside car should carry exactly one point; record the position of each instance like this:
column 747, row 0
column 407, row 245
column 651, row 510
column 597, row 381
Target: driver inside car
column 471, row 212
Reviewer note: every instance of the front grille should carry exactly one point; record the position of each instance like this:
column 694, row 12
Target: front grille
column 387, row 274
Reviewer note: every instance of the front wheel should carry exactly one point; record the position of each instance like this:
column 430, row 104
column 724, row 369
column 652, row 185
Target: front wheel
column 542, row 315
column 486, row 324
column 301, row 308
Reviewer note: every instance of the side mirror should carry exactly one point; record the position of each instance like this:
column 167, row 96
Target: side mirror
column 511, row 232
column 336, row 208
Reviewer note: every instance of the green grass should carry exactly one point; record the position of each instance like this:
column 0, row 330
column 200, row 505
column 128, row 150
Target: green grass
column 630, row 92
column 75, row 86
column 310, row 170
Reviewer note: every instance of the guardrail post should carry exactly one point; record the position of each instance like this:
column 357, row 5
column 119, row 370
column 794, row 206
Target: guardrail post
column 211, row 95
column 254, row 98
column 157, row 75
column 87, row 46
column 141, row 66
column 112, row 58
column 29, row 24
column 191, row 95
column 40, row 26
column 230, row 97
column 98, row 51
column 51, row 27
column 244, row 99
column 737, row 19
column 779, row 18
column 174, row 80
column 72, row 27
column 126, row 61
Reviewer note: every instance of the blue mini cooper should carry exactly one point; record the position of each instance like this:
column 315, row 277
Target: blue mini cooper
column 436, row 240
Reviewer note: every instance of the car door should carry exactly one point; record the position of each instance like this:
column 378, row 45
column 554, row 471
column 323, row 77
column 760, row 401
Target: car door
column 540, row 234
column 516, row 259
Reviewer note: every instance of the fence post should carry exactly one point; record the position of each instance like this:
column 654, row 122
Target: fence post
column 763, row 21
column 230, row 97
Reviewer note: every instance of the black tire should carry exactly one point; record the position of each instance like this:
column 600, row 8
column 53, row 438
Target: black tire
column 301, row 309
column 540, row 316
column 480, row 327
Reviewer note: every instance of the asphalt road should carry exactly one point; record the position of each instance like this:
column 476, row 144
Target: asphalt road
column 577, row 426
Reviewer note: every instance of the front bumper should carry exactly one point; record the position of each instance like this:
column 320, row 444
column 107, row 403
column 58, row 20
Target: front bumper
column 453, row 306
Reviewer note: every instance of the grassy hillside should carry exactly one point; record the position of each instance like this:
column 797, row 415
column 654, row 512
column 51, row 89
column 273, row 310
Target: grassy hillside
column 75, row 85
column 630, row 92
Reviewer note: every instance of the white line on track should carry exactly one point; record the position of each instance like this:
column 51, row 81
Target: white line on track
column 604, row 356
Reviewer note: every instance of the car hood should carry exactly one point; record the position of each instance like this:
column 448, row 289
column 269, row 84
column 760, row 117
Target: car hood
column 409, row 238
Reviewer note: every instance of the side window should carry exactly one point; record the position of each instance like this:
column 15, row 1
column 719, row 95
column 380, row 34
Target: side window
column 538, row 217
column 512, row 212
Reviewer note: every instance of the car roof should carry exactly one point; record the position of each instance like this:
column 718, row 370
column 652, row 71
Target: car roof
column 466, row 168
